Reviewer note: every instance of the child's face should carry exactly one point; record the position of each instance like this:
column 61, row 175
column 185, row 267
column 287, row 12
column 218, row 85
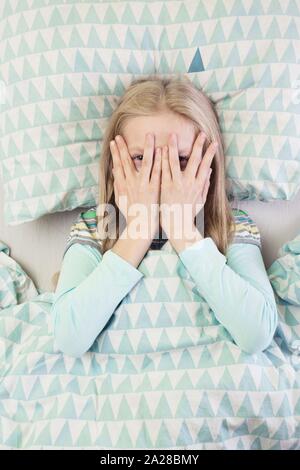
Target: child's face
column 161, row 125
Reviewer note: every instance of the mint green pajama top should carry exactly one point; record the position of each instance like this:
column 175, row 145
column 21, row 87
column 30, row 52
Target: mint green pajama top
column 91, row 285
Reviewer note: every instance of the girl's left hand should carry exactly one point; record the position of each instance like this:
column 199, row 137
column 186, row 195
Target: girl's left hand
column 186, row 189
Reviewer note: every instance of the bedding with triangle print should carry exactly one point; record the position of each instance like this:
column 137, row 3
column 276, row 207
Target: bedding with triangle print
column 163, row 374
column 65, row 64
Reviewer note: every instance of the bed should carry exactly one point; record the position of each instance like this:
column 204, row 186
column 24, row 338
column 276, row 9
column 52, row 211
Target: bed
column 63, row 66
column 111, row 399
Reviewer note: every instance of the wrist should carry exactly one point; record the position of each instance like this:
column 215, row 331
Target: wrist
column 180, row 244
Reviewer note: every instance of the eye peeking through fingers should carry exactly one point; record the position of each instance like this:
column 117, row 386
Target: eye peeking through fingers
column 140, row 157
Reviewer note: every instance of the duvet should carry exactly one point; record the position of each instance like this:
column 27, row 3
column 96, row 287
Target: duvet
column 160, row 376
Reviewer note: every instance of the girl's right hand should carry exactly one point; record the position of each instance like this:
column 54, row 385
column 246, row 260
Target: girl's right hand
column 138, row 187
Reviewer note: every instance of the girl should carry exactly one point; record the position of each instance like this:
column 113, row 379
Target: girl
column 161, row 145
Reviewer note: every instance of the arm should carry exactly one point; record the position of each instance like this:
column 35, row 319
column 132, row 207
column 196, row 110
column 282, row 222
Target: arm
column 89, row 289
column 239, row 292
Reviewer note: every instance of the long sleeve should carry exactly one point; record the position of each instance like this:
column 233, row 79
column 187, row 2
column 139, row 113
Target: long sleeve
column 89, row 289
column 237, row 289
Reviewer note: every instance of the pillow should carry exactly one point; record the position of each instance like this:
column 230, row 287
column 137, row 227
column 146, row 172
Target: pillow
column 284, row 275
column 65, row 64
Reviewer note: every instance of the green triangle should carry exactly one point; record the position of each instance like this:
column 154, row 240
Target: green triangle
column 184, row 437
column 143, row 409
column 21, row 194
column 271, row 55
column 22, row 26
column 225, row 408
column 91, row 16
column 144, row 344
column 273, row 31
column 183, row 409
column 164, row 439
column 98, row 64
column 64, row 438
column 206, row 359
column 266, row 409
column 44, row 67
column 128, row 16
column 128, row 367
column 94, row 41
column 165, row 383
column 236, row 32
column 73, row 17
column 56, row 18
column 204, row 408
column 24, row 49
column 33, row 96
column 84, row 438
column 246, row 410
column 166, row 362
column 186, row 361
column 200, row 12
column 215, row 60
column 28, row 71
column 69, row 410
column 50, row 92
column 204, row 434
column 292, row 31
column 233, row 58
column 218, row 34
column 124, row 441
column 39, row 118
column 125, row 345
column 163, row 319
column 199, row 38
column 76, row 41
column 38, row 23
column 247, row 382
column 252, row 56
column 106, row 411
column 282, row 432
column 44, row 437
column 255, row 31
column 62, row 65
column 104, row 438
column 9, row 54
column 40, row 45
column 18, row 392
column 147, row 42
column 226, row 381
column 124, row 410
column 259, row 103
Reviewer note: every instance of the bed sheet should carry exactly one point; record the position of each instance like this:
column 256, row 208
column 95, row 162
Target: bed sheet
column 188, row 393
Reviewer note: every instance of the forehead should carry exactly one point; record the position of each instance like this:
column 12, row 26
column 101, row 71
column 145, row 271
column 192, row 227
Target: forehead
column 161, row 125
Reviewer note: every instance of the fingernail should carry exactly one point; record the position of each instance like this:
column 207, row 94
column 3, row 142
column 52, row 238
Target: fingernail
column 215, row 144
column 118, row 138
column 112, row 143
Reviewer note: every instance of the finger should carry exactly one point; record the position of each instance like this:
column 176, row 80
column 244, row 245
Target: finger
column 206, row 163
column 196, row 156
column 156, row 170
column 148, row 157
column 206, row 186
column 125, row 157
column 115, row 186
column 173, row 157
column 165, row 166
column 117, row 163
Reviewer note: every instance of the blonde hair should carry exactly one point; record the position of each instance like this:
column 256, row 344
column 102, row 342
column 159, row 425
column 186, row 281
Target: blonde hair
column 149, row 96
